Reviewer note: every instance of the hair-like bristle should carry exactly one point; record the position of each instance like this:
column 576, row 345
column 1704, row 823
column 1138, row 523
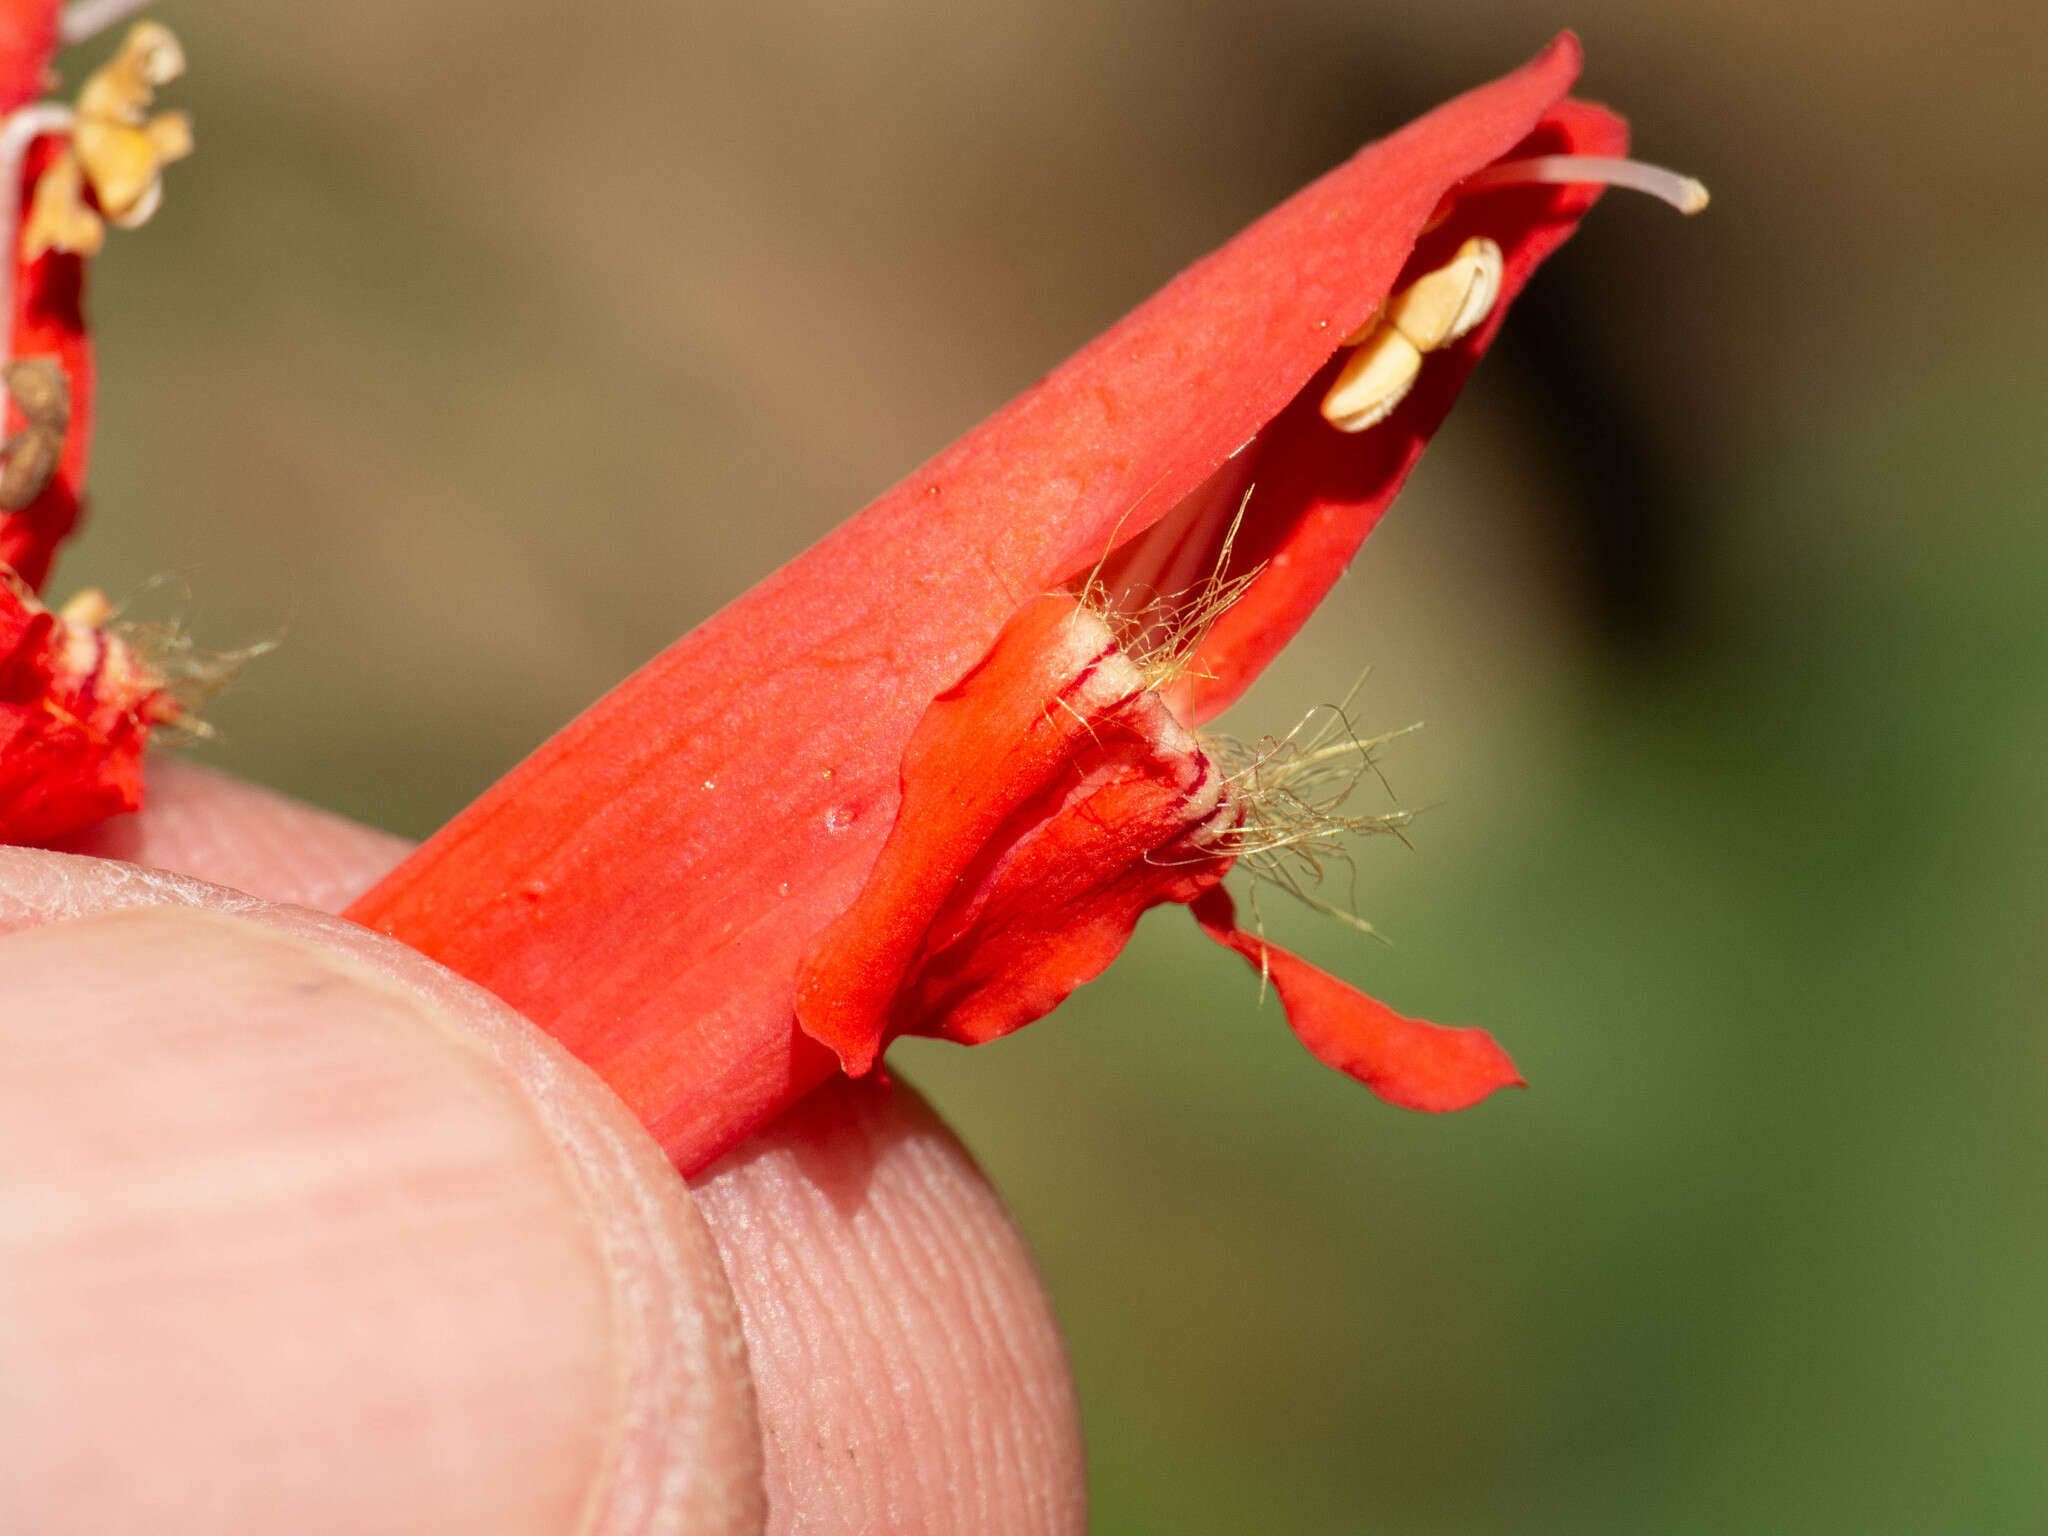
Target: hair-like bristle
column 189, row 673
column 1295, row 793
column 1162, row 632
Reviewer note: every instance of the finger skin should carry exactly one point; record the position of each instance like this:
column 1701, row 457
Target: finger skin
column 910, row 1374
column 856, row 1231
column 222, row 830
column 299, row 1232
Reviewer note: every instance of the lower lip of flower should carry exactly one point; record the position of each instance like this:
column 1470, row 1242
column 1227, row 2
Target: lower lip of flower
column 1048, row 800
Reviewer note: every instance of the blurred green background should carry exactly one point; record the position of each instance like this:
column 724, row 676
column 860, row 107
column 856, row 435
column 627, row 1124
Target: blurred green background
column 484, row 348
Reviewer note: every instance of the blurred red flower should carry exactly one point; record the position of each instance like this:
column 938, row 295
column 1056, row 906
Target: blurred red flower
column 77, row 701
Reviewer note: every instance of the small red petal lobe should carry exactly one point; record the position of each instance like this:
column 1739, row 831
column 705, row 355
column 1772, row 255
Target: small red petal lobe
column 1047, row 800
column 1408, row 1062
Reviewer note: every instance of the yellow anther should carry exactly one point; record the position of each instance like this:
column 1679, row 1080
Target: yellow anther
column 120, row 160
column 1371, row 324
column 1373, row 380
column 120, row 147
column 170, row 135
column 123, row 89
column 126, row 164
column 58, row 218
column 1441, row 306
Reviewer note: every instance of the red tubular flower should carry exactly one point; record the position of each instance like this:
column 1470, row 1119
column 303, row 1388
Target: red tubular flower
column 925, row 778
column 77, row 704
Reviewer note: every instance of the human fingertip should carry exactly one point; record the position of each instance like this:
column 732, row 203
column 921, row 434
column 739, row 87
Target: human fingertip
column 216, row 827
column 299, row 1235
column 909, row 1369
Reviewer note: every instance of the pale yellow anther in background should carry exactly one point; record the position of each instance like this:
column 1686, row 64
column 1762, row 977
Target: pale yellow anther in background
column 116, row 146
column 1374, row 379
column 170, row 135
column 1441, row 306
column 58, row 219
column 123, row 89
column 126, row 164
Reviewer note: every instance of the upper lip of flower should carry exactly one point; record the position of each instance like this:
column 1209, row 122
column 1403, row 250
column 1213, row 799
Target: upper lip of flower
column 652, row 882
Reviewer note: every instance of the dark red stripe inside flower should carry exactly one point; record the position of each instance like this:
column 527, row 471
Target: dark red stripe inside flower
column 925, row 778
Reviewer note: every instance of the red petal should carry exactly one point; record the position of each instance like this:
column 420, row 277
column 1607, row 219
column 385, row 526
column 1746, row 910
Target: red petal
column 1040, row 797
column 646, row 885
column 28, row 41
column 1408, row 1062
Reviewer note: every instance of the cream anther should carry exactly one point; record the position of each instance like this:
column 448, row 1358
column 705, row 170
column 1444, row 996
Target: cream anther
column 1371, row 324
column 1684, row 193
column 1429, row 314
column 1373, row 380
column 1441, row 306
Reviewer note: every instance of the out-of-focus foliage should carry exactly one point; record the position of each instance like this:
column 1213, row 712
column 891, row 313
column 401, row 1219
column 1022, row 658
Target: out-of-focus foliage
column 486, row 348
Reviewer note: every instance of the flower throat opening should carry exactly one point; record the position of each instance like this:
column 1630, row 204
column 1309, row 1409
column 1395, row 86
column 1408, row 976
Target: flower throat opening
column 1210, row 591
column 1162, row 594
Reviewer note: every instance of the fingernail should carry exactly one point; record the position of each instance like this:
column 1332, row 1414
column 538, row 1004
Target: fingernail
column 327, row 1237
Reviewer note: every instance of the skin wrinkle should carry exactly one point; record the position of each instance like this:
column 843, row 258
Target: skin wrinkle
column 781, row 1315
column 915, row 1376
column 889, row 1327
column 166, row 1267
column 903, row 1238
column 986, row 1314
column 917, row 1232
column 683, row 1455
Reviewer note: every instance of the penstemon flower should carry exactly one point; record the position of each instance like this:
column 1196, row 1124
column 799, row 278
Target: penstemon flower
column 926, row 777
column 80, row 694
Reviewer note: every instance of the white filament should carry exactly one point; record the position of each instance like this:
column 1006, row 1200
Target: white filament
column 85, row 18
column 1685, row 193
